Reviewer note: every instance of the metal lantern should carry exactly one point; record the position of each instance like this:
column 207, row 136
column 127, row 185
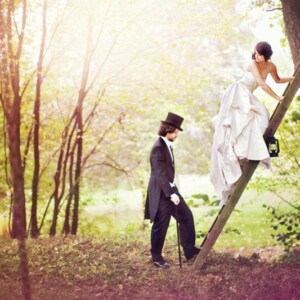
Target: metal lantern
column 273, row 146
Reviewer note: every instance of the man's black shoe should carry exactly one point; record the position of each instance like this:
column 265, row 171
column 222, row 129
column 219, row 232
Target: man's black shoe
column 196, row 250
column 191, row 260
column 161, row 264
column 192, row 255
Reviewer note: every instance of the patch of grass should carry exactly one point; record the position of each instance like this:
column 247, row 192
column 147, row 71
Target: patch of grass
column 252, row 223
column 247, row 227
column 4, row 230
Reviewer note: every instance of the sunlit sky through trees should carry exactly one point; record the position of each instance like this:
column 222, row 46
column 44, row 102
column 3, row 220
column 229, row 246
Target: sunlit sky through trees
column 126, row 33
column 146, row 58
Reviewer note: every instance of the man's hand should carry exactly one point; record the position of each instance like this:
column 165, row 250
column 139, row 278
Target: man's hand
column 175, row 199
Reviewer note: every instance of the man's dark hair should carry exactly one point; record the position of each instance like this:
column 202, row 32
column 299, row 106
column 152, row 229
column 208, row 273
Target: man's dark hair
column 165, row 128
column 263, row 48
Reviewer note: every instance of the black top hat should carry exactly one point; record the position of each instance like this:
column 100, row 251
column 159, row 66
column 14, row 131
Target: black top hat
column 174, row 120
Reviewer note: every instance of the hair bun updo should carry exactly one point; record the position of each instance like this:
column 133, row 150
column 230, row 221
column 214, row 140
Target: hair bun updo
column 263, row 48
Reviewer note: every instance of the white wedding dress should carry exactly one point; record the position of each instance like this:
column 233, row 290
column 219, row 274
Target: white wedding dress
column 239, row 129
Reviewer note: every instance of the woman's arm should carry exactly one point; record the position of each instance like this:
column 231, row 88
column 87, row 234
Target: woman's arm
column 256, row 74
column 276, row 77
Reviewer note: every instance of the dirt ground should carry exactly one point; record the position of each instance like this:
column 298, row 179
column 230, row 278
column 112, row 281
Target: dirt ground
column 75, row 269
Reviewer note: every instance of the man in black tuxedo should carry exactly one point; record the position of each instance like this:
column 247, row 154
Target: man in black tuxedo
column 163, row 198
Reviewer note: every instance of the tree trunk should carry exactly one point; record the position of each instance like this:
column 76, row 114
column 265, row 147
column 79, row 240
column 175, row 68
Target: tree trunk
column 19, row 213
column 36, row 140
column 291, row 17
column 78, row 166
column 66, row 228
column 56, row 196
column 60, row 176
column 10, row 88
column 79, row 141
column 11, row 102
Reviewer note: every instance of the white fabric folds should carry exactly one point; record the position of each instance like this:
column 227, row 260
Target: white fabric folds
column 239, row 128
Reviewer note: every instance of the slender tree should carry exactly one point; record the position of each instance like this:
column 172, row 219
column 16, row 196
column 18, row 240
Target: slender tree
column 11, row 103
column 60, row 174
column 79, row 142
column 36, row 141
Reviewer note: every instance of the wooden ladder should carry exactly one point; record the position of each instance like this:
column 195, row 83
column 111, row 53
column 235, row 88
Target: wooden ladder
column 226, row 210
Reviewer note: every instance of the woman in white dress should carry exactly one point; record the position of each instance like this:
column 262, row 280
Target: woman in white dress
column 241, row 123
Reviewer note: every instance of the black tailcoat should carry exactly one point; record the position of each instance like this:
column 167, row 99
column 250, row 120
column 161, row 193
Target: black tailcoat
column 162, row 174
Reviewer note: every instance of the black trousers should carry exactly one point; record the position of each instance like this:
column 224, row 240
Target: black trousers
column 161, row 223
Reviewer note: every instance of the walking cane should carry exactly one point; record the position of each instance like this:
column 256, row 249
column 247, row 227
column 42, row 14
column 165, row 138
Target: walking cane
column 178, row 236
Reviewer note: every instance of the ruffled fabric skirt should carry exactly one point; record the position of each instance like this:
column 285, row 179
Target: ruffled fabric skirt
column 239, row 129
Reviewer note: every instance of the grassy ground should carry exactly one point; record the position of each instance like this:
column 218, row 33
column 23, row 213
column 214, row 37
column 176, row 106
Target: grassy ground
column 111, row 258
column 247, row 227
column 119, row 267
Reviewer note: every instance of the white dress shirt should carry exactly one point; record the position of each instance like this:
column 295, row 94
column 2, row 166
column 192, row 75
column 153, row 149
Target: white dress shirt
column 169, row 144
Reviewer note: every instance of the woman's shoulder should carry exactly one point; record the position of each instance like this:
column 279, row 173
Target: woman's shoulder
column 271, row 66
column 252, row 64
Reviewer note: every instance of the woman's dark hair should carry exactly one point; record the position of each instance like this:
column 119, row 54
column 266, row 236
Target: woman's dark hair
column 165, row 128
column 263, row 48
